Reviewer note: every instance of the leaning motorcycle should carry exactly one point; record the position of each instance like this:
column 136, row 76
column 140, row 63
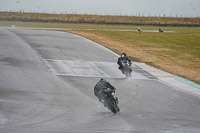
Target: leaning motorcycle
column 110, row 100
column 127, row 68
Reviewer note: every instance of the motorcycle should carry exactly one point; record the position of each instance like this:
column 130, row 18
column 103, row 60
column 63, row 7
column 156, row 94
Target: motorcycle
column 110, row 100
column 127, row 68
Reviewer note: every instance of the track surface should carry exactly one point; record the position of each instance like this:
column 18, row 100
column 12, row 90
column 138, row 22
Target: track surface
column 46, row 86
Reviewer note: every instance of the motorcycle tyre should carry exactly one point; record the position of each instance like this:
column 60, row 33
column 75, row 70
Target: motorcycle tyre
column 112, row 106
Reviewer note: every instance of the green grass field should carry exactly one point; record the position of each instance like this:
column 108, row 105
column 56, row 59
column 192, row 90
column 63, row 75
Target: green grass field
column 177, row 44
column 177, row 52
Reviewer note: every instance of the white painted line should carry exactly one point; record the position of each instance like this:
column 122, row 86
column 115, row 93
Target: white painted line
column 88, row 69
column 83, row 68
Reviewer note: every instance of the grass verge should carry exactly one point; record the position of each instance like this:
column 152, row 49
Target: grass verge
column 177, row 53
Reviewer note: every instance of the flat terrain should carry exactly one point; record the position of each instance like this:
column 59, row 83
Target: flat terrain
column 46, row 86
column 176, row 52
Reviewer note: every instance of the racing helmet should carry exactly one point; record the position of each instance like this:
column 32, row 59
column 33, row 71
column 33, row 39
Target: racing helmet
column 102, row 79
column 123, row 54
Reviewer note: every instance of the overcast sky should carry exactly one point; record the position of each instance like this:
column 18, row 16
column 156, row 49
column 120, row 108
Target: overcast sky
column 185, row 8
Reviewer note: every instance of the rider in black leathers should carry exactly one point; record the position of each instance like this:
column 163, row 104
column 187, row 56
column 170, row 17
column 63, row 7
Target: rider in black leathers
column 101, row 85
column 122, row 58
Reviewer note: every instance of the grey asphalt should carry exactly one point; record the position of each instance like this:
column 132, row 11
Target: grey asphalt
column 46, row 86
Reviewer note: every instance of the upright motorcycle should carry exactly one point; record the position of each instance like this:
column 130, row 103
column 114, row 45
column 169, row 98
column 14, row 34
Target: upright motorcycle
column 127, row 68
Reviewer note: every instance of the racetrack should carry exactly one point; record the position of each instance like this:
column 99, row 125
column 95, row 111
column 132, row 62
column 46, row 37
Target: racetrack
column 47, row 80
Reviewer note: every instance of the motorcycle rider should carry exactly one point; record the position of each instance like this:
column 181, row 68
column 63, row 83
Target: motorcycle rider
column 121, row 59
column 100, row 86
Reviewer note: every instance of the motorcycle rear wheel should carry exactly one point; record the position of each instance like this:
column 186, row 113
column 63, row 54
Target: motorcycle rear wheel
column 112, row 106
